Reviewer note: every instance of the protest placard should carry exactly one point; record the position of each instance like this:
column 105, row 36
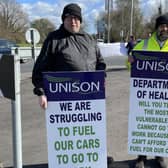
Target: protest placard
column 148, row 115
column 76, row 120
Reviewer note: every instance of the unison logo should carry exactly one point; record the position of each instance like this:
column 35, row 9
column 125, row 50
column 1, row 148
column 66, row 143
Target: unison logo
column 70, row 85
column 152, row 65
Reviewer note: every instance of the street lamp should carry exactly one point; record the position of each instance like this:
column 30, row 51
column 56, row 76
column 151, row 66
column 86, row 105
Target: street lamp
column 108, row 22
column 108, row 6
column 132, row 10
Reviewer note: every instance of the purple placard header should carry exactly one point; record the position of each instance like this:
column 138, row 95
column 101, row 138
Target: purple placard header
column 74, row 85
column 150, row 64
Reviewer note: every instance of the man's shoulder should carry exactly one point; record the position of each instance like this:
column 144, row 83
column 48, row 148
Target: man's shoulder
column 54, row 33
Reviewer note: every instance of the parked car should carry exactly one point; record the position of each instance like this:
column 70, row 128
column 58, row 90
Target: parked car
column 100, row 40
column 5, row 47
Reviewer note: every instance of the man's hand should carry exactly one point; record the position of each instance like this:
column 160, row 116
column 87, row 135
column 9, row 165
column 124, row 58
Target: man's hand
column 43, row 101
column 130, row 59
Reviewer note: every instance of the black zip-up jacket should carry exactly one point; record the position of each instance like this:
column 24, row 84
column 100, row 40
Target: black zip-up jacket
column 65, row 51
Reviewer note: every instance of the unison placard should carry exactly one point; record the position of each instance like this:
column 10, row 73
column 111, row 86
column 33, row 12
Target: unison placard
column 76, row 119
column 148, row 115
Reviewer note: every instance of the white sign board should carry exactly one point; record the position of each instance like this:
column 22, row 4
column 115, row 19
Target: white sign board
column 32, row 35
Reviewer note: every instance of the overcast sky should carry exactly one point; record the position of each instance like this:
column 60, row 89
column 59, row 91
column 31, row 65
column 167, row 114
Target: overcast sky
column 52, row 9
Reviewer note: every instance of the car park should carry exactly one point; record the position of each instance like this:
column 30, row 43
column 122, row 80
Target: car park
column 6, row 47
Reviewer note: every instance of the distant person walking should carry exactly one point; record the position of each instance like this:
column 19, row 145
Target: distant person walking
column 130, row 45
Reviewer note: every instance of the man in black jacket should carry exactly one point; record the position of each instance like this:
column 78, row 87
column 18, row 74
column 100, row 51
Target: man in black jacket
column 66, row 49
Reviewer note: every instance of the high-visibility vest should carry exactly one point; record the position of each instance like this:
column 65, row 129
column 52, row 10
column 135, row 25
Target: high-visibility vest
column 151, row 44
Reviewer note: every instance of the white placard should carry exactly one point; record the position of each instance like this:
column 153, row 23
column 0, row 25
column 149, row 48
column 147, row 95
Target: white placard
column 148, row 115
column 76, row 125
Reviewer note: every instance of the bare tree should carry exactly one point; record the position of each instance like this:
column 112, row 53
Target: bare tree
column 120, row 20
column 85, row 25
column 44, row 26
column 123, row 18
column 13, row 21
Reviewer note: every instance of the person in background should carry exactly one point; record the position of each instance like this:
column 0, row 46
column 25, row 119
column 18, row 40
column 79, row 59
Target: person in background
column 130, row 45
column 158, row 41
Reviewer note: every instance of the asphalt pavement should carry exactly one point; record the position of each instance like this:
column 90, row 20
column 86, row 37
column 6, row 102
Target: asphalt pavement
column 34, row 132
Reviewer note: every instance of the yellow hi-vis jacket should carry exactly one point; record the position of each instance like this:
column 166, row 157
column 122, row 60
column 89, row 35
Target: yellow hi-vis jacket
column 151, row 44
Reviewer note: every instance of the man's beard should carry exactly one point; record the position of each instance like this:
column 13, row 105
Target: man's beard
column 162, row 36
